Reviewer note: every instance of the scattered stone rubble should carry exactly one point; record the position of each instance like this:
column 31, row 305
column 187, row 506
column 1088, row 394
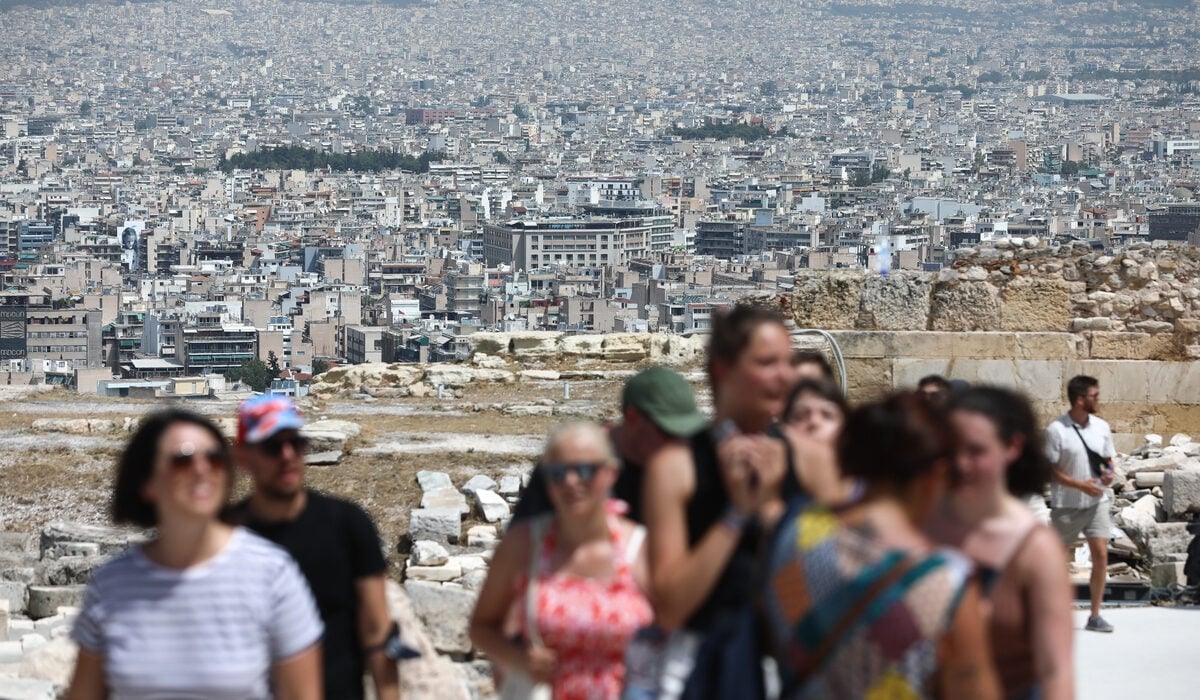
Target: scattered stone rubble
column 41, row 586
column 1157, row 495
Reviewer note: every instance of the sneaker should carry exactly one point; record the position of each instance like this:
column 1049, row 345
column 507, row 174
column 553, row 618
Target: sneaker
column 1096, row 623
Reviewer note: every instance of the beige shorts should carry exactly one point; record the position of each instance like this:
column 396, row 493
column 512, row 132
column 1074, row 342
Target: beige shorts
column 1093, row 522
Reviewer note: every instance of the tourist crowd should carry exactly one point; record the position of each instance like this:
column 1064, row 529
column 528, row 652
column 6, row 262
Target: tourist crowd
column 792, row 545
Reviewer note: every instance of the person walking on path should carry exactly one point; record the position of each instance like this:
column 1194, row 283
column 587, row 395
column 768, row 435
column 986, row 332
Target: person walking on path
column 334, row 542
column 1079, row 445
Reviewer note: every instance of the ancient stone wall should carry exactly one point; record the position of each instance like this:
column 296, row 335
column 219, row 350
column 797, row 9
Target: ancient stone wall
column 1140, row 304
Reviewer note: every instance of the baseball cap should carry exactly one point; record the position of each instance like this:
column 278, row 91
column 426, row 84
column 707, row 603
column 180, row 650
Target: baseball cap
column 666, row 399
column 262, row 416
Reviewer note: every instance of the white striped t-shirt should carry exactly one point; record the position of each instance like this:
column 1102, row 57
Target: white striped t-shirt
column 209, row 631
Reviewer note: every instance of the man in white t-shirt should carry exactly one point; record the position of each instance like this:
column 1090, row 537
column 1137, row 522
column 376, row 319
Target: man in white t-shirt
column 1080, row 447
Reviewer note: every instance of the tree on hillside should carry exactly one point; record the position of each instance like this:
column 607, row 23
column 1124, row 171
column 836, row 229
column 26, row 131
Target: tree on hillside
column 252, row 373
column 319, row 366
column 273, row 364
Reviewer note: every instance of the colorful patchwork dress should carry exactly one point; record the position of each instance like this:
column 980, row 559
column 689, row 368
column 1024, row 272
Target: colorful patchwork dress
column 885, row 608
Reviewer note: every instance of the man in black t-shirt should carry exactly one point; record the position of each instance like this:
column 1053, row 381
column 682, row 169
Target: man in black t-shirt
column 333, row 541
column 657, row 406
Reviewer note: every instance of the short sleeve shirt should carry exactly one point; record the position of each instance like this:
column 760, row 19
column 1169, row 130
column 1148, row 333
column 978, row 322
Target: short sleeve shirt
column 210, row 631
column 335, row 543
column 1067, row 455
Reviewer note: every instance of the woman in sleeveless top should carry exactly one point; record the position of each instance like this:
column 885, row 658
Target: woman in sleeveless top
column 858, row 602
column 1000, row 463
column 703, row 500
column 587, row 567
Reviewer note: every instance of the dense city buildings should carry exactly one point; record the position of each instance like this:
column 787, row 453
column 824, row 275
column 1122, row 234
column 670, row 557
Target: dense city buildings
column 373, row 182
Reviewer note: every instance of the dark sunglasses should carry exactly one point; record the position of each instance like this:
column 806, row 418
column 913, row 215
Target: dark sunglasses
column 274, row 446
column 217, row 459
column 557, row 473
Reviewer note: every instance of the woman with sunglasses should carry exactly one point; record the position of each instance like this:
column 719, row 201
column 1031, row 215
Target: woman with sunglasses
column 577, row 577
column 203, row 609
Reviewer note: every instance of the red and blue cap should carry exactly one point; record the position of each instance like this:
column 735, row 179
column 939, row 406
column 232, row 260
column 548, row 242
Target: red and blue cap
column 261, row 417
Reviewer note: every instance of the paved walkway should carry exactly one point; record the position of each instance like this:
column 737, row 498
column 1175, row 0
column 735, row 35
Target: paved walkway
column 1154, row 653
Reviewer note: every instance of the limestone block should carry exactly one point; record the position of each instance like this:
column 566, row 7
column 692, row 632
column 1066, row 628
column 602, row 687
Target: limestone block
column 10, row 652
column 626, row 347
column 442, row 572
column 491, row 506
column 479, row 482
column 481, row 536
column 324, row 459
column 1180, row 440
column 1028, row 304
column 348, row 428
column 15, row 594
column 1181, row 492
column 427, row 553
column 445, row 610
column 490, row 343
column 72, row 549
column 67, row 571
column 1096, row 323
column 3, row 620
column 1173, row 382
column 110, row 539
column 1107, row 345
column 1153, row 441
column 1167, row 574
column 676, row 350
column 1041, row 380
column 973, row 306
column 432, row 481
column 454, row 375
column 510, row 485
column 538, row 375
column 906, row 373
column 50, row 663
column 1167, row 541
column 44, row 601
column 1153, row 326
column 29, row 642
column 868, row 379
column 931, row 345
column 898, row 302
column 437, row 524
column 24, row 688
column 470, row 562
column 73, row 426
column 450, row 499
column 1148, row 480
column 535, row 345
column 827, row 300
column 1120, row 380
column 523, row 410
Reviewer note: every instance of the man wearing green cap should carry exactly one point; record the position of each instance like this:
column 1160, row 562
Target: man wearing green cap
column 657, row 407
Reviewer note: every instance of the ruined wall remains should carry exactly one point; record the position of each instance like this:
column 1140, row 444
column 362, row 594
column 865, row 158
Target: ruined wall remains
column 1141, row 304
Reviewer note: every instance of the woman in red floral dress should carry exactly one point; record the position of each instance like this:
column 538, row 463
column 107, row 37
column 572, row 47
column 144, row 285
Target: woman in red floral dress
column 590, row 572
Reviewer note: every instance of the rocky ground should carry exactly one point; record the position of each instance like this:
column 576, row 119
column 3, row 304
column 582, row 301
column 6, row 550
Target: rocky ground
column 58, row 450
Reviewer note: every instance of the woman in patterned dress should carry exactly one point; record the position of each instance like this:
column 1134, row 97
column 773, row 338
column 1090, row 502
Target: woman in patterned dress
column 859, row 603
column 590, row 576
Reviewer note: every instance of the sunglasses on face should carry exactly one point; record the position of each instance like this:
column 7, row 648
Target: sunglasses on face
column 586, row 471
column 185, row 458
column 274, row 446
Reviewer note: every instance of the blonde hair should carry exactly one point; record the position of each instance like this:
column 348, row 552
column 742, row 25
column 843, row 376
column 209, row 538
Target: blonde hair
column 584, row 431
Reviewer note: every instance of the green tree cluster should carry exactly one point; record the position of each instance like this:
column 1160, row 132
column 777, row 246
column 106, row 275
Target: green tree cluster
column 302, row 158
column 745, row 132
column 252, row 373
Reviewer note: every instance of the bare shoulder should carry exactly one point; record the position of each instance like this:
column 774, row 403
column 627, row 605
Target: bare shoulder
column 1041, row 547
column 671, row 470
